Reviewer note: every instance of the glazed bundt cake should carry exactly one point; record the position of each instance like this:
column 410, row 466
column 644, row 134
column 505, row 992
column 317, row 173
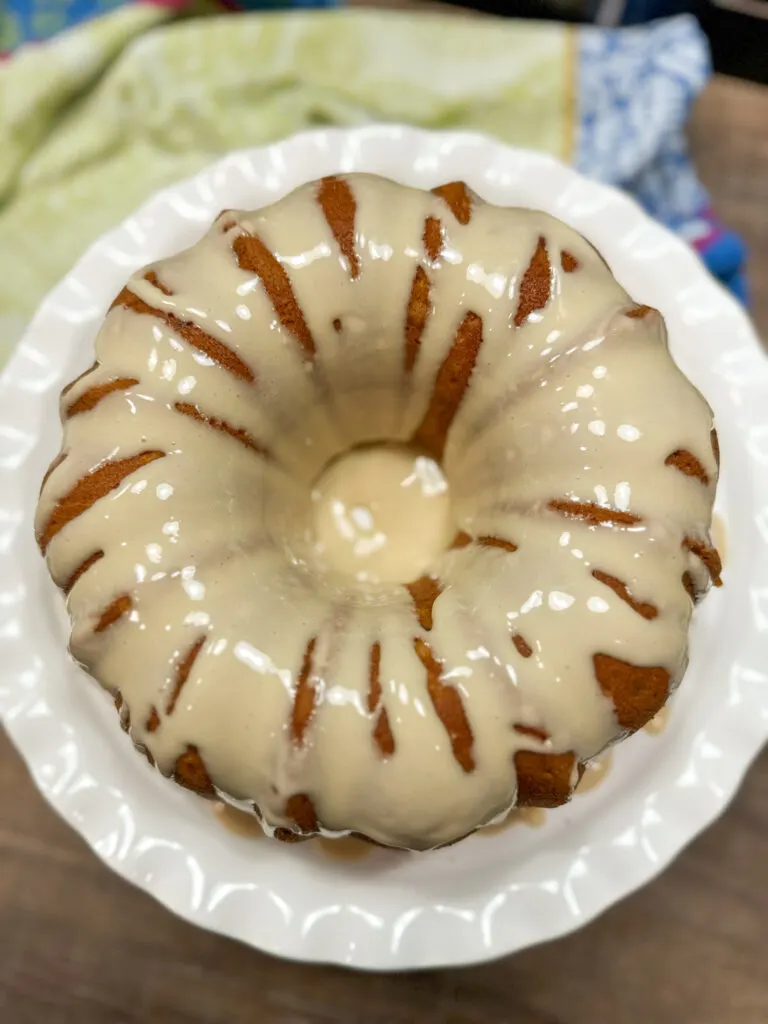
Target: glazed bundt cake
column 381, row 511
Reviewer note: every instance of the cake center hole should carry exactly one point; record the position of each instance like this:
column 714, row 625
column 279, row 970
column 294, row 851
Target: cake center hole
column 382, row 514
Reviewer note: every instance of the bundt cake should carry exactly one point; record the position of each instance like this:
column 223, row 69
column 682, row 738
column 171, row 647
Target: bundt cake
column 381, row 511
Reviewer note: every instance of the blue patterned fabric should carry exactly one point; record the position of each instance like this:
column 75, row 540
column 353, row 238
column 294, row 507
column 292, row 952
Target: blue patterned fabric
column 22, row 21
column 636, row 87
column 25, row 21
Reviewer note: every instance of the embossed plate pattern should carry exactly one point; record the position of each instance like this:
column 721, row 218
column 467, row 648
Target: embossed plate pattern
column 490, row 895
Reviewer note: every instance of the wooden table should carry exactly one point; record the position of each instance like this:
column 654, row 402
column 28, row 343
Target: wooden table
column 79, row 946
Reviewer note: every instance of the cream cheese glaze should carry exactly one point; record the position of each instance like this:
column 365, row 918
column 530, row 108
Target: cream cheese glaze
column 181, row 519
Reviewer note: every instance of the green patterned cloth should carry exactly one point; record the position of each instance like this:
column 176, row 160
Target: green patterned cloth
column 98, row 119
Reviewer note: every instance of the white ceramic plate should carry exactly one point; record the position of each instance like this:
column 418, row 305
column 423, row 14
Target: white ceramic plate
column 491, row 894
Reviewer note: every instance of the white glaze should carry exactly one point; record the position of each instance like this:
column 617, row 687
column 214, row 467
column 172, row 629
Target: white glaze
column 214, row 540
column 382, row 514
column 595, row 773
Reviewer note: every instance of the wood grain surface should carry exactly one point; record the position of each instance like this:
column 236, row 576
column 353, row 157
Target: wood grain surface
column 79, row 946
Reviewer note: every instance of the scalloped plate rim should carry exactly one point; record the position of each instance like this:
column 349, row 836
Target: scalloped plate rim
column 752, row 729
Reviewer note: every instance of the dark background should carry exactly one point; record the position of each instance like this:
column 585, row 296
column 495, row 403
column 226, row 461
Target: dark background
column 739, row 42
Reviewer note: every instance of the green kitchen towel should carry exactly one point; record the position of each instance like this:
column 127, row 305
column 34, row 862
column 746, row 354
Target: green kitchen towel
column 98, row 118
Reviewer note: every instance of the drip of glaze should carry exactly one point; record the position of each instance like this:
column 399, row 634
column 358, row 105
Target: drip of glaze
column 595, row 773
column 658, row 724
column 241, row 823
column 532, row 817
column 237, row 821
column 345, row 848
column 720, row 538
